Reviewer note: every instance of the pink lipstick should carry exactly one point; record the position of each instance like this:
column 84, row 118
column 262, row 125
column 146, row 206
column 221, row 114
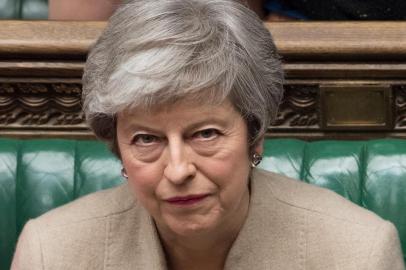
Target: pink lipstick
column 186, row 200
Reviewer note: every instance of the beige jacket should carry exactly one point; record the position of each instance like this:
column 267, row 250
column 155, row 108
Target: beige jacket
column 291, row 225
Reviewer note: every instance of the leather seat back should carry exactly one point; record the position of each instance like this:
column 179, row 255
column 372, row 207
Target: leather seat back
column 24, row 9
column 39, row 175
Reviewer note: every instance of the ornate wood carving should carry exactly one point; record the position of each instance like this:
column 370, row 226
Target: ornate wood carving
column 41, row 64
column 299, row 108
column 41, row 106
column 51, row 106
column 400, row 106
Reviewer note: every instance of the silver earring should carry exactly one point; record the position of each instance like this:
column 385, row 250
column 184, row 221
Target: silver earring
column 124, row 173
column 256, row 159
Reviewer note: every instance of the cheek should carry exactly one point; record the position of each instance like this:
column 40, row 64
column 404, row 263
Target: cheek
column 229, row 169
column 143, row 179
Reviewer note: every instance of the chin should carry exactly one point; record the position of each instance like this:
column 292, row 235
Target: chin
column 191, row 226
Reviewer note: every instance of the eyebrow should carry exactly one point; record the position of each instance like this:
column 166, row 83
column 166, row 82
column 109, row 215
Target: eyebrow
column 207, row 121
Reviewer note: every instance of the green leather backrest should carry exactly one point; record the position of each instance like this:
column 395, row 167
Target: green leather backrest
column 38, row 175
column 23, row 9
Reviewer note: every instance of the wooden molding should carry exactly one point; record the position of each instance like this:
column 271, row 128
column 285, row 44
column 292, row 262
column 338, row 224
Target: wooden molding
column 400, row 107
column 54, row 39
column 42, row 106
column 295, row 40
column 298, row 109
column 356, row 107
column 41, row 65
column 342, row 41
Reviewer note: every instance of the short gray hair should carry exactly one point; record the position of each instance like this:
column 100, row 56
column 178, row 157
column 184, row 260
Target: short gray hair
column 155, row 52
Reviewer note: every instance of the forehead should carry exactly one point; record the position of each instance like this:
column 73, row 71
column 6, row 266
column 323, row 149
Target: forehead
column 180, row 113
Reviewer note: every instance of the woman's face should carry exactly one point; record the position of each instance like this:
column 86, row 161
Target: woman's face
column 188, row 165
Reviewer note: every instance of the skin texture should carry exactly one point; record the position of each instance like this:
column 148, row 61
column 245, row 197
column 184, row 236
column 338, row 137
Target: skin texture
column 189, row 149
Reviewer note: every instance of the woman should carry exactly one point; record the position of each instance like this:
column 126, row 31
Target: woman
column 183, row 90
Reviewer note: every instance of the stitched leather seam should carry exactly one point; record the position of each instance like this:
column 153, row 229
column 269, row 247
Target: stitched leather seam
column 362, row 174
column 17, row 187
column 75, row 171
column 302, row 166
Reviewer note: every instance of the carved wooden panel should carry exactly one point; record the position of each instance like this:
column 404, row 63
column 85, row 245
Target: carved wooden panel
column 41, row 64
column 298, row 109
column 356, row 107
column 33, row 107
column 400, row 106
column 27, row 108
column 40, row 105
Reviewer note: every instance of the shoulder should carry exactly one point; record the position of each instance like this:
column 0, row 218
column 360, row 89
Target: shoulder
column 336, row 232
column 331, row 230
column 314, row 200
column 66, row 237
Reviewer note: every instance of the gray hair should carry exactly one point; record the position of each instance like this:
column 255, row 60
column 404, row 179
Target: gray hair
column 155, row 52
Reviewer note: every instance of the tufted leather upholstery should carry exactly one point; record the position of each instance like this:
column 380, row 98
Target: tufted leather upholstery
column 38, row 175
column 24, row 9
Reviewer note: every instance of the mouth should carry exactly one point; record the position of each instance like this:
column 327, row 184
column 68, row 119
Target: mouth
column 186, row 200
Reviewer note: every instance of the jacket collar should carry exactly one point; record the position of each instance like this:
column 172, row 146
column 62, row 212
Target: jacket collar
column 132, row 241
column 273, row 236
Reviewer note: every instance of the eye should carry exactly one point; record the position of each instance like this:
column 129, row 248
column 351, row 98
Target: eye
column 207, row 134
column 145, row 139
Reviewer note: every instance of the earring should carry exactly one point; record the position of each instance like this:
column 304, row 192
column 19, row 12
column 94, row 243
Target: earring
column 124, row 173
column 256, row 159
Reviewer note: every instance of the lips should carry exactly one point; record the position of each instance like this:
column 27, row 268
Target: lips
column 187, row 200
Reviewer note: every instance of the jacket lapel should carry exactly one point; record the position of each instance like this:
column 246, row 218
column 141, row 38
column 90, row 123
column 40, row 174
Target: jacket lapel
column 132, row 242
column 273, row 236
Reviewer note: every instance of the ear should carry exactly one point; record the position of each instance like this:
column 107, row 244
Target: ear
column 259, row 146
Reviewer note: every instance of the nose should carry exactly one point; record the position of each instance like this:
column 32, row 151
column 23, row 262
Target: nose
column 179, row 167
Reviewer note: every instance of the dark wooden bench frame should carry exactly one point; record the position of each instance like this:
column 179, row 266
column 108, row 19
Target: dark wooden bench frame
column 344, row 80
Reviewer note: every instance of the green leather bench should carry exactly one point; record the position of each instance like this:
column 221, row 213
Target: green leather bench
column 24, row 9
column 38, row 175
